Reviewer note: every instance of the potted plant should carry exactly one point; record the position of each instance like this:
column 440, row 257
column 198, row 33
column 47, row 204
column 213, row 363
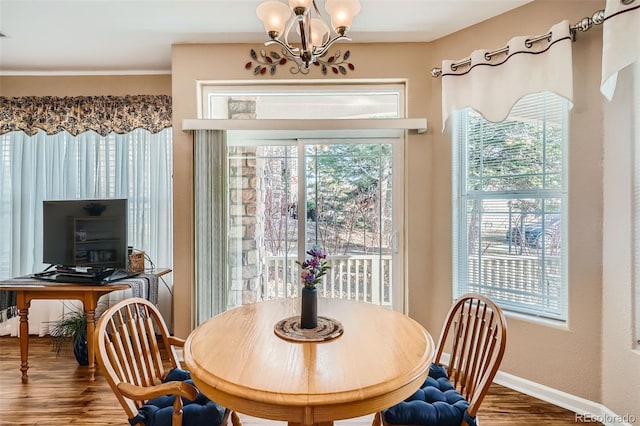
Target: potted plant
column 71, row 328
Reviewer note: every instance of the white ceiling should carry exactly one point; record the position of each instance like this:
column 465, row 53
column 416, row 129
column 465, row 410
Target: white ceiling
column 117, row 36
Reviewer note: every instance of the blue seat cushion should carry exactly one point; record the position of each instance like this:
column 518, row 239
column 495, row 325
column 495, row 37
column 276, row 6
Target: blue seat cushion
column 159, row 411
column 435, row 403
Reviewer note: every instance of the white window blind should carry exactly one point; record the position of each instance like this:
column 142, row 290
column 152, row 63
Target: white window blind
column 509, row 189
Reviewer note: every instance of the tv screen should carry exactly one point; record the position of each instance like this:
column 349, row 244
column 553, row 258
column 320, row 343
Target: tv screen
column 85, row 233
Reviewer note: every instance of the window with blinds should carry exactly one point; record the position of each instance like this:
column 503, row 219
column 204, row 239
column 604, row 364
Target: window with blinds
column 509, row 202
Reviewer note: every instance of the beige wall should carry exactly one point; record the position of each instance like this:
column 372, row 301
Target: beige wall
column 85, row 85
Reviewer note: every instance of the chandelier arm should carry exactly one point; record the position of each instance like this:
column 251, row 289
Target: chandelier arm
column 288, row 30
column 320, row 51
column 315, row 6
column 294, row 52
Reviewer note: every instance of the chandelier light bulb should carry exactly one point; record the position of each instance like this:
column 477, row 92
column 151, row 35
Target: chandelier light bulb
column 274, row 15
column 342, row 13
column 319, row 32
column 300, row 7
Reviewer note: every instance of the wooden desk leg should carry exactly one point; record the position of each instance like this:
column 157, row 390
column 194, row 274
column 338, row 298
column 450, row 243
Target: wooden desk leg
column 23, row 309
column 91, row 327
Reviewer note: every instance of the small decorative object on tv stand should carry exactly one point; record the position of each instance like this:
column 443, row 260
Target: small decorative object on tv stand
column 136, row 261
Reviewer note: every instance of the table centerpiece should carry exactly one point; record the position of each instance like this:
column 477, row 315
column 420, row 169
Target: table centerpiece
column 312, row 271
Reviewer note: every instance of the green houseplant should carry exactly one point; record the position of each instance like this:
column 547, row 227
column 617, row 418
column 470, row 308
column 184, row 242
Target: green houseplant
column 71, row 328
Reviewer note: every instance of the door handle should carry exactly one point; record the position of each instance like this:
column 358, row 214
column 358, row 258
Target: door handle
column 393, row 241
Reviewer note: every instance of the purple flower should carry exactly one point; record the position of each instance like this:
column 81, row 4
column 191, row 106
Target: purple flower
column 314, row 268
column 317, row 253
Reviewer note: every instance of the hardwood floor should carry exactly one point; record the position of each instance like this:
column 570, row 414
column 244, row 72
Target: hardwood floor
column 58, row 393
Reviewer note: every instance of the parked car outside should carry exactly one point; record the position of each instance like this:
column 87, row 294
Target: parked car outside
column 535, row 234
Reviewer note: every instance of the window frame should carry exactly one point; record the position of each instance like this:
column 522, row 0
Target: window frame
column 461, row 196
column 287, row 127
column 209, row 89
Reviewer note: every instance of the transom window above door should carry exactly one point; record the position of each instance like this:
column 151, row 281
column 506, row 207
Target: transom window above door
column 321, row 101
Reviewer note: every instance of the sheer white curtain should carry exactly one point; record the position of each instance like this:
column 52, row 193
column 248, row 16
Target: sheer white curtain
column 136, row 165
column 210, row 165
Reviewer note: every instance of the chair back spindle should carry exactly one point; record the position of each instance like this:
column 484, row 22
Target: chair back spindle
column 475, row 330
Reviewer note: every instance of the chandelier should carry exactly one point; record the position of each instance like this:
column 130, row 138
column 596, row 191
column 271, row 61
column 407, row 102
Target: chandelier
column 313, row 38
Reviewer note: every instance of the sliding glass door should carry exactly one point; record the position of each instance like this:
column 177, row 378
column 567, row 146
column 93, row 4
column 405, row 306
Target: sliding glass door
column 288, row 195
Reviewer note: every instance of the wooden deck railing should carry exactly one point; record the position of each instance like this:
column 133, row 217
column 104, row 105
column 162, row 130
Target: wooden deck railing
column 359, row 277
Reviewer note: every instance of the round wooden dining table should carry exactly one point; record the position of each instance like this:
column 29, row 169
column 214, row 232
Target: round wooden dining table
column 237, row 360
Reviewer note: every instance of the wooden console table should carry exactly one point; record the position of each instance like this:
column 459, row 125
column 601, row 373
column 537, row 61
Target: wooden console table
column 28, row 289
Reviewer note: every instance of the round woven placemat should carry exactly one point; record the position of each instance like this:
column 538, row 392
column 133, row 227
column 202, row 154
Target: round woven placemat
column 290, row 329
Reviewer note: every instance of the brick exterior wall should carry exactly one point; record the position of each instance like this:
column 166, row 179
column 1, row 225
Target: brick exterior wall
column 246, row 229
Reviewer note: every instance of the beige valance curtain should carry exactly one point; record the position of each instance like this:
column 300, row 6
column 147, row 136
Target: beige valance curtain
column 491, row 83
column 76, row 115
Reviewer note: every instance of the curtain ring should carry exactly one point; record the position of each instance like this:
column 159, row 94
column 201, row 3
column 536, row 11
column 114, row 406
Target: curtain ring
column 625, row 2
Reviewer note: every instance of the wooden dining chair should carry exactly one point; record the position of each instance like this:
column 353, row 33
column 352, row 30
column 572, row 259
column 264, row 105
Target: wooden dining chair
column 138, row 358
column 475, row 336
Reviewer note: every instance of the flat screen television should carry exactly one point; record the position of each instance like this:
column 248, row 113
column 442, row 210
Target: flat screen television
column 85, row 233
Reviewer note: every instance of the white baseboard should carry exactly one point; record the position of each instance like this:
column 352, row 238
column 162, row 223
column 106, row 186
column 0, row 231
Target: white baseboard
column 586, row 411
